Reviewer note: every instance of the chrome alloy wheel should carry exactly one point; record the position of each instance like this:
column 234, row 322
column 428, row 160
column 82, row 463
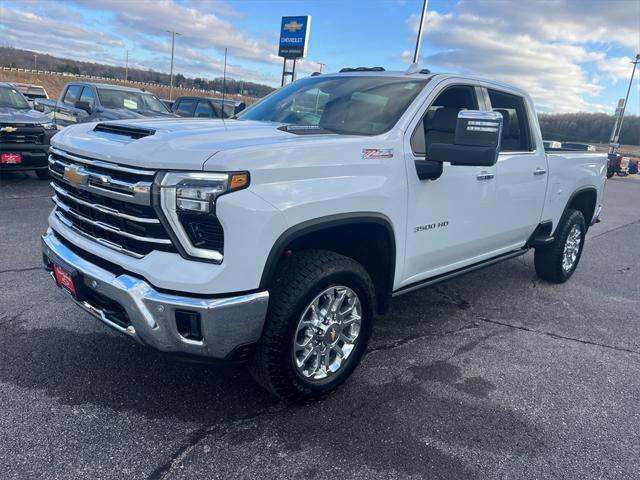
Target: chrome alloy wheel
column 571, row 248
column 327, row 333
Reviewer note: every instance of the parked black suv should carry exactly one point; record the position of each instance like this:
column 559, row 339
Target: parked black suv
column 206, row 107
column 24, row 134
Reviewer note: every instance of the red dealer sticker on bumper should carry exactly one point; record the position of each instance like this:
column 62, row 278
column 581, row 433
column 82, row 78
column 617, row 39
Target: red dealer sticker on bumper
column 11, row 158
column 64, row 280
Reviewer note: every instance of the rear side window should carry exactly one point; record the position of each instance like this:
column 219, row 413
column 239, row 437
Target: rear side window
column 72, row 94
column 204, row 110
column 515, row 126
column 184, row 107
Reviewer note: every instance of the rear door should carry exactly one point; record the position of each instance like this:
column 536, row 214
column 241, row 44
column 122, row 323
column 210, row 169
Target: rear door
column 521, row 171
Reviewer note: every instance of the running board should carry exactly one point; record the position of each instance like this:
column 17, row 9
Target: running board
column 456, row 273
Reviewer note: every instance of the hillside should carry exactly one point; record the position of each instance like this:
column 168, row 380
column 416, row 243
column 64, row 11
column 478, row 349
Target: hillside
column 588, row 127
column 54, row 84
column 24, row 59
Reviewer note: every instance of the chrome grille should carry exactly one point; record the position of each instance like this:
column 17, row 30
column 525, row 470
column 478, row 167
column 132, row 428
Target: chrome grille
column 107, row 203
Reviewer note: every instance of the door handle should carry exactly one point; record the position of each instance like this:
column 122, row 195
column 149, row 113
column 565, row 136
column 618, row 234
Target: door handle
column 484, row 176
column 539, row 171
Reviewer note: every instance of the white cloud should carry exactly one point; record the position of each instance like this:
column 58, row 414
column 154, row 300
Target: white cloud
column 543, row 47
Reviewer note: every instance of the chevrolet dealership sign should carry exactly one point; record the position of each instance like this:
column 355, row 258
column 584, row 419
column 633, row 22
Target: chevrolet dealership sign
column 294, row 37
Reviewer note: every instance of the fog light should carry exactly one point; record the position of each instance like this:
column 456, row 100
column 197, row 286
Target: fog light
column 188, row 324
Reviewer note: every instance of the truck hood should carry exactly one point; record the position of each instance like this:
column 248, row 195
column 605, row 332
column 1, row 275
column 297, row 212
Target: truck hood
column 179, row 144
column 14, row 115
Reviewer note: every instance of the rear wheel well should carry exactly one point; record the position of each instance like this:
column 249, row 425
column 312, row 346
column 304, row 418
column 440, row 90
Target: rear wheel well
column 368, row 241
column 585, row 202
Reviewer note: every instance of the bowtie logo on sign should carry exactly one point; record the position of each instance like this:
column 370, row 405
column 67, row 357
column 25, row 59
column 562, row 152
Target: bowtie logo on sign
column 293, row 26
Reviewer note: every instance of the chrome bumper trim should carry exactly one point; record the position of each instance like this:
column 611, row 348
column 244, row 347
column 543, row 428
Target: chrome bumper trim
column 226, row 323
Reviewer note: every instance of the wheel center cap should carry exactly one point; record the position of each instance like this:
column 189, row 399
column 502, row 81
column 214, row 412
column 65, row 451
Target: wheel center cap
column 332, row 334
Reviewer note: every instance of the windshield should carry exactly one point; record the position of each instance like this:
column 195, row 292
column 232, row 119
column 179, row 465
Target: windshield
column 136, row 101
column 12, row 98
column 357, row 105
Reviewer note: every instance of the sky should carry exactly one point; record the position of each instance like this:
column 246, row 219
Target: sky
column 570, row 55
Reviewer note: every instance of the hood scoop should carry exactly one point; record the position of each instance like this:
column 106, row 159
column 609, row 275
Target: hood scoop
column 133, row 133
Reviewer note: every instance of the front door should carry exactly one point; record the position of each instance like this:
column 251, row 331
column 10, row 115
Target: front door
column 447, row 217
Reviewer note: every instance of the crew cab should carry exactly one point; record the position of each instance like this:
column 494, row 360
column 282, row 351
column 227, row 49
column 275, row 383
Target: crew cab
column 275, row 237
column 24, row 134
column 81, row 102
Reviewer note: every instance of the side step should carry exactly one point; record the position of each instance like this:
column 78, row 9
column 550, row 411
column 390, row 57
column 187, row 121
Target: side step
column 461, row 271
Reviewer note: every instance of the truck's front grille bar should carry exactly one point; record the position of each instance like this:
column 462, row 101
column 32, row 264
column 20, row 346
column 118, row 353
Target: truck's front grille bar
column 108, row 204
column 101, row 180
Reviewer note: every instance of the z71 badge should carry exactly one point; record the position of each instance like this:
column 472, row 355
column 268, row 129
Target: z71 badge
column 377, row 153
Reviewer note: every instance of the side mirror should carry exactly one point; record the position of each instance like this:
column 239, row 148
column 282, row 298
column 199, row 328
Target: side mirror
column 476, row 141
column 86, row 106
column 38, row 107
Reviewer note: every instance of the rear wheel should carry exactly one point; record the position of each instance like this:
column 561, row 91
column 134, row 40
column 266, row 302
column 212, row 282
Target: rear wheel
column 318, row 325
column 556, row 262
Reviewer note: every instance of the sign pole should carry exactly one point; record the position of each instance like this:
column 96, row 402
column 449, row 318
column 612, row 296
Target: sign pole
column 284, row 70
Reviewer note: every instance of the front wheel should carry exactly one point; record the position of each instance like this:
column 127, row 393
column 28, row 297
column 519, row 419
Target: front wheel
column 556, row 262
column 318, row 325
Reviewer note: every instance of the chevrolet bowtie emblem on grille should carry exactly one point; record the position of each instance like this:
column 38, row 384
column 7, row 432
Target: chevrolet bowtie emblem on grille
column 293, row 26
column 333, row 334
column 8, row 129
column 75, row 175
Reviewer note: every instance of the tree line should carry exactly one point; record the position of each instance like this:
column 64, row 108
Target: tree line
column 18, row 58
column 588, row 127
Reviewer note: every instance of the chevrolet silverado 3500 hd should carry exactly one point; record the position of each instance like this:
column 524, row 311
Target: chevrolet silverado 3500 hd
column 275, row 237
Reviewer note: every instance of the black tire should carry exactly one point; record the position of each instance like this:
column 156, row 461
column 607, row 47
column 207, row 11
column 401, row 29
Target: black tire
column 43, row 174
column 610, row 174
column 548, row 260
column 298, row 281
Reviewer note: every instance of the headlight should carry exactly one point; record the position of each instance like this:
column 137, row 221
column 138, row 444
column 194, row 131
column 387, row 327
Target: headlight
column 49, row 126
column 188, row 202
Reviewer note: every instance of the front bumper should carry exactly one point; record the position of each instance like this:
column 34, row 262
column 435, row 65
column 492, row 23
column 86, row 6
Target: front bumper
column 227, row 324
column 34, row 157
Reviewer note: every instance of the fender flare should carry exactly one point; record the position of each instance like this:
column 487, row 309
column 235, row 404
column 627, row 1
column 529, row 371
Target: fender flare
column 577, row 192
column 322, row 223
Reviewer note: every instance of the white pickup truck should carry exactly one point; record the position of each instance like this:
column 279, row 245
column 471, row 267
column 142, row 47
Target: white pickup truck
column 275, row 237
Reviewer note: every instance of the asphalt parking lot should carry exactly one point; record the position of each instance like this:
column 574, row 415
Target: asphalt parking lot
column 491, row 375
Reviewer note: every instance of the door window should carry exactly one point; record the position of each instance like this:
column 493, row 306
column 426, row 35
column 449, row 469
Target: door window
column 204, row 110
column 515, row 127
column 185, row 107
column 72, row 94
column 87, row 96
column 441, row 118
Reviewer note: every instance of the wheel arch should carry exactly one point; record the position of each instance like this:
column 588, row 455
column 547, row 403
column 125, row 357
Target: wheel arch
column 583, row 199
column 345, row 234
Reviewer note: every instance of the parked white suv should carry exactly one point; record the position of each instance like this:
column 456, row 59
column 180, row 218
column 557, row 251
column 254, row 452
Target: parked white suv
column 274, row 238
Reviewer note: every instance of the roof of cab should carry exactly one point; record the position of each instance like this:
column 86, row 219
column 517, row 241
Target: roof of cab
column 110, row 87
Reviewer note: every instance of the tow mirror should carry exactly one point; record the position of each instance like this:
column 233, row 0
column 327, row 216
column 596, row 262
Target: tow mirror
column 476, row 141
column 81, row 105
